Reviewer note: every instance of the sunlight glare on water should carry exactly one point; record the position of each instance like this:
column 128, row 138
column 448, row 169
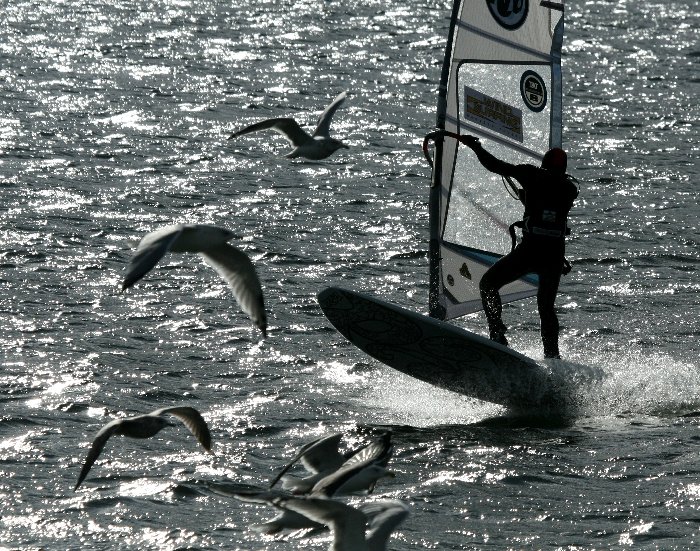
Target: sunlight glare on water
column 114, row 123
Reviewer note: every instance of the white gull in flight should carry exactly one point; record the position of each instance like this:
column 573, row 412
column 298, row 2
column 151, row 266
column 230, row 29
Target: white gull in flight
column 317, row 146
column 320, row 457
column 333, row 474
column 336, row 473
column 145, row 426
column 286, row 520
column 348, row 524
column 210, row 242
column 360, row 472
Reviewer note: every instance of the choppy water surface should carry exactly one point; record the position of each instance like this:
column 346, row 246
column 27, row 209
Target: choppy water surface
column 114, row 122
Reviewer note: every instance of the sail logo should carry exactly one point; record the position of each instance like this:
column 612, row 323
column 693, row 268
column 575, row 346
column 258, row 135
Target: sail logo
column 510, row 14
column 533, row 91
column 493, row 114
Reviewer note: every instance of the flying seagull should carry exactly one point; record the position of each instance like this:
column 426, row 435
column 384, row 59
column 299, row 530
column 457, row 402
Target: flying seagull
column 332, row 474
column 348, row 524
column 286, row 520
column 145, row 426
column 210, row 242
column 317, row 146
column 320, row 457
column 341, row 473
column 360, row 472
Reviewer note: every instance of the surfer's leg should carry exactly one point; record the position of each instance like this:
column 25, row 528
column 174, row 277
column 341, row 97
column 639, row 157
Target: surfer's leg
column 507, row 269
column 493, row 309
column 546, row 295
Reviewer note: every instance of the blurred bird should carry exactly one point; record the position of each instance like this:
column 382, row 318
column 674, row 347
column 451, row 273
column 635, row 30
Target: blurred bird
column 286, row 520
column 348, row 524
column 336, row 473
column 360, row 472
column 332, row 474
column 320, row 457
column 317, row 146
column 210, row 242
column 145, row 426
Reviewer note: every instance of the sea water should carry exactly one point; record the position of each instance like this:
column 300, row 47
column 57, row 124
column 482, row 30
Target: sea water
column 114, row 122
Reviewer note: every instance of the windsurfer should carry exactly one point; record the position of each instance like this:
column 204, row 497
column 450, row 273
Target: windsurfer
column 548, row 194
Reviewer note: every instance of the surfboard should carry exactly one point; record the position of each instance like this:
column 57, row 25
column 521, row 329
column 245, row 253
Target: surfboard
column 439, row 353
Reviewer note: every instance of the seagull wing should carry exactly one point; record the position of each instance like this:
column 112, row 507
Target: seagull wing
column 323, row 454
column 149, row 251
column 234, row 489
column 252, row 495
column 367, row 464
column 236, row 268
column 287, row 520
column 97, row 445
column 350, row 479
column 377, row 451
column 289, row 128
column 347, row 523
column 384, row 517
column 317, row 456
column 193, row 420
column 323, row 126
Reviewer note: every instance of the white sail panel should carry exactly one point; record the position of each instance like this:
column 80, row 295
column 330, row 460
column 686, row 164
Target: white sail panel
column 501, row 81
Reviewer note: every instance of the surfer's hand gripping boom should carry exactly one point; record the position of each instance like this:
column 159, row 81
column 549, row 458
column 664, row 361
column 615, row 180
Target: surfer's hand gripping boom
column 470, row 141
column 473, row 143
column 466, row 139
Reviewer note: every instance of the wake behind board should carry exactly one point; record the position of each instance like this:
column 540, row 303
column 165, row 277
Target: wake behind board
column 438, row 353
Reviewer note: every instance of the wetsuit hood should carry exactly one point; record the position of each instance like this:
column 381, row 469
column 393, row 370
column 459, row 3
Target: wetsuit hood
column 555, row 159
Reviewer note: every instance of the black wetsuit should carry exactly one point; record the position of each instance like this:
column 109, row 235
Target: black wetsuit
column 548, row 196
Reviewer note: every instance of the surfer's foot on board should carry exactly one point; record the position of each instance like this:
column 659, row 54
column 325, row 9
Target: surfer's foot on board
column 550, row 343
column 498, row 334
column 500, row 338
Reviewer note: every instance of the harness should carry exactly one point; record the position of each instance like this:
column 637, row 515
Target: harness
column 566, row 268
column 542, row 222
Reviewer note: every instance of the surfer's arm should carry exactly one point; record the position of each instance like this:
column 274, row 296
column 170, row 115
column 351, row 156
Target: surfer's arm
column 487, row 160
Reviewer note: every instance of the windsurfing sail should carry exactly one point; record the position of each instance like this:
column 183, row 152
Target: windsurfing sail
column 501, row 81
